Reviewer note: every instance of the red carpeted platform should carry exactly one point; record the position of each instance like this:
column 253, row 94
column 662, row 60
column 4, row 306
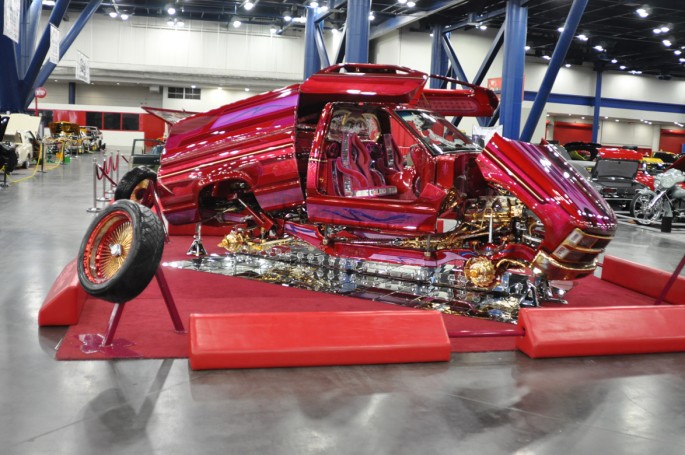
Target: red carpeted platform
column 257, row 340
column 146, row 329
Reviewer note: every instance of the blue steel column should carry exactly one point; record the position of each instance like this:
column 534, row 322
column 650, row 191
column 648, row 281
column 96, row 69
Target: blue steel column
column 29, row 29
column 598, row 105
column 558, row 56
column 42, row 49
column 72, row 92
column 516, row 23
column 64, row 46
column 439, row 59
column 312, row 62
column 9, row 95
column 357, row 44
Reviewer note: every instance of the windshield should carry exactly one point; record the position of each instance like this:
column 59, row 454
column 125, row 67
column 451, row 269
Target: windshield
column 436, row 132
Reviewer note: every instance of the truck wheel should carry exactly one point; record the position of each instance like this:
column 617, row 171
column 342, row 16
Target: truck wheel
column 120, row 252
column 138, row 186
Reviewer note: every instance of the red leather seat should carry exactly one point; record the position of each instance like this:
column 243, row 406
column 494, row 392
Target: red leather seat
column 359, row 179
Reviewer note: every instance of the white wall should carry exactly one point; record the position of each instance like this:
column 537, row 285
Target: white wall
column 201, row 47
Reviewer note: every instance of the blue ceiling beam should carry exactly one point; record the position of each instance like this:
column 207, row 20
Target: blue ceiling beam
column 598, row 105
column 439, row 58
column 357, row 43
column 64, row 46
column 321, row 46
column 558, row 57
column 513, row 68
column 41, row 51
column 312, row 62
column 9, row 95
column 490, row 56
column 453, row 59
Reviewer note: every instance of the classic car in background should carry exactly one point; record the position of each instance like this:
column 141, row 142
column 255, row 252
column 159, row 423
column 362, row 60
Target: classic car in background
column 65, row 138
column 360, row 163
column 614, row 175
column 19, row 133
column 92, row 138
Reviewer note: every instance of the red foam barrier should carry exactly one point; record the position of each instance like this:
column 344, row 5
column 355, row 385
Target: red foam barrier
column 64, row 302
column 569, row 332
column 642, row 279
column 263, row 340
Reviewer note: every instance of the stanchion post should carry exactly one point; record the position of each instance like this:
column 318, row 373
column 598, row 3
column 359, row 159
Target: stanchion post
column 41, row 157
column 104, row 198
column 95, row 208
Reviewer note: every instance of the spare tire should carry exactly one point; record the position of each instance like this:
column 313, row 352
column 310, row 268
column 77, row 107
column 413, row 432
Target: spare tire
column 138, row 186
column 120, row 252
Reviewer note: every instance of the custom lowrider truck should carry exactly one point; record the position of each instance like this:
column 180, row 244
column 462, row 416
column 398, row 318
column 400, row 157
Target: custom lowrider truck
column 360, row 162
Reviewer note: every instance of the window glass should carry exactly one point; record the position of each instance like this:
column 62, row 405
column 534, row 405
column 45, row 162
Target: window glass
column 112, row 121
column 436, row 132
column 175, row 92
column 129, row 122
column 94, row 119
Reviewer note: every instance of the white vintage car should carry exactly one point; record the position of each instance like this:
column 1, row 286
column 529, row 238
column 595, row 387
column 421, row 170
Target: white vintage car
column 20, row 131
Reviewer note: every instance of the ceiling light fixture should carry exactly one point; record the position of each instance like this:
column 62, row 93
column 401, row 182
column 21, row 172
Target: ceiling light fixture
column 667, row 43
column 287, row 17
column 614, row 61
column 483, row 27
column 314, row 4
column 622, row 67
column 547, row 57
column 642, row 12
column 582, row 37
column 567, row 65
column 371, row 16
column 237, row 23
column 401, row 2
column 560, row 29
column 171, row 10
column 411, row 4
column 598, row 48
column 124, row 16
column 677, row 52
column 113, row 14
column 48, row 2
column 527, row 48
column 665, row 29
column 248, row 5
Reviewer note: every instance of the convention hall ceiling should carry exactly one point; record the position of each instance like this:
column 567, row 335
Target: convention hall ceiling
column 619, row 37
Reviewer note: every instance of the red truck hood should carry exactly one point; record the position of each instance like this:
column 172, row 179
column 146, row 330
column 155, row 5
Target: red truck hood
column 549, row 185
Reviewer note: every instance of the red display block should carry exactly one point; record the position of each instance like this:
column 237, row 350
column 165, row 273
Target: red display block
column 293, row 339
column 64, row 302
column 569, row 332
column 642, row 279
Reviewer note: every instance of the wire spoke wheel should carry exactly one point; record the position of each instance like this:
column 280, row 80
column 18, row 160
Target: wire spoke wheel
column 109, row 247
column 120, row 252
column 645, row 214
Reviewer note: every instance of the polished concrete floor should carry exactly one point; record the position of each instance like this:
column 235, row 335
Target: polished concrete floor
column 482, row 403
